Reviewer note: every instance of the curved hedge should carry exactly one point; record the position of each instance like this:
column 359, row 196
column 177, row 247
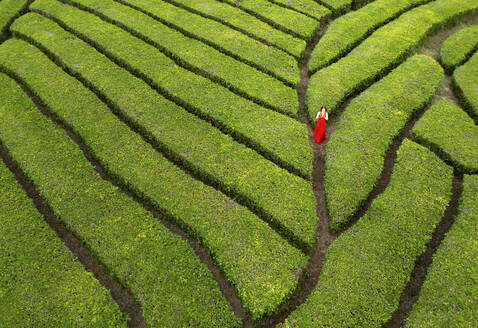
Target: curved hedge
column 385, row 48
column 237, row 239
column 42, row 283
column 465, row 83
column 367, row 267
column 459, row 47
column 283, row 197
column 357, row 148
column 449, row 295
column 279, row 137
column 161, row 270
column 348, row 30
column 449, row 131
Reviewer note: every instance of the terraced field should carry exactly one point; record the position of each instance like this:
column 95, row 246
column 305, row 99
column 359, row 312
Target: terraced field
column 158, row 167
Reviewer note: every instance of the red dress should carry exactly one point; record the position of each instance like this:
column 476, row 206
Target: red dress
column 319, row 130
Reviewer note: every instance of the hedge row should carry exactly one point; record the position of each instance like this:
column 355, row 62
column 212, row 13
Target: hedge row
column 223, row 38
column 200, row 58
column 451, row 133
column 235, row 168
column 384, row 49
column 366, row 268
column 42, row 283
column 284, row 19
column 248, row 24
column 465, row 83
column 258, row 262
column 310, row 8
column 459, row 47
column 278, row 137
column 347, row 31
column 161, row 270
column 356, row 151
column 449, row 295
column 9, row 11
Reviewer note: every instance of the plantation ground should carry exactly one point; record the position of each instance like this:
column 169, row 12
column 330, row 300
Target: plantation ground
column 159, row 169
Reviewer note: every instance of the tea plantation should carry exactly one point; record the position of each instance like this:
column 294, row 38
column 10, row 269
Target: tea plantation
column 158, row 166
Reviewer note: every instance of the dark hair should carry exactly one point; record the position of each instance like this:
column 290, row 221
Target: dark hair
column 323, row 107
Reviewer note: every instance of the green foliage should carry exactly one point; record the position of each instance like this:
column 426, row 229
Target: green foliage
column 239, row 19
column 384, row 49
column 367, row 267
column 449, row 295
column 338, row 6
column 449, row 131
column 195, row 55
column 347, row 31
column 160, row 268
column 465, row 81
column 282, row 18
column 279, row 137
column 289, row 199
column 221, row 37
column 9, row 10
column 41, row 282
column 459, row 47
column 310, row 7
column 356, row 150
column 243, row 246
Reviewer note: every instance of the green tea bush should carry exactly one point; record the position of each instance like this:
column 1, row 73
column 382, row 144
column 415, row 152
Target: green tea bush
column 223, row 38
column 274, row 135
column 465, row 83
column 284, row 19
column 450, row 132
column 366, row 268
column 9, row 11
column 161, row 270
column 459, row 47
column 248, row 24
column 357, row 148
column 286, row 198
column 199, row 58
column 347, row 31
column 238, row 240
column 42, row 283
column 311, row 8
column 384, row 49
column 449, row 295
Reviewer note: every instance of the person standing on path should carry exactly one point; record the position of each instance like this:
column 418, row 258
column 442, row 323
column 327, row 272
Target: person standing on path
column 319, row 130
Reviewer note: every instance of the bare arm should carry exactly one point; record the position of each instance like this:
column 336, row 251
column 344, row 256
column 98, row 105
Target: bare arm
column 326, row 116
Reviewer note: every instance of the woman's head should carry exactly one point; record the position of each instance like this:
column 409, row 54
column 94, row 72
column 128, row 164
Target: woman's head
column 323, row 109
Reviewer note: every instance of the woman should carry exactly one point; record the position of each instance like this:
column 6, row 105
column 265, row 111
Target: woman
column 319, row 130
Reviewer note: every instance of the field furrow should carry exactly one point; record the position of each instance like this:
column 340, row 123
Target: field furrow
column 281, row 17
column 465, row 82
column 43, row 285
column 367, row 267
column 357, row 148
column 451, row 133
column 242, row 245
column 161, row 270
column 278, row 137
column 201, row 59
column 449, row 294
column 9, row 11
column 383, row 50
column 247, row 24
column 223, row 38
column 459, row 47
column 349, row 30
column 278, row 196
